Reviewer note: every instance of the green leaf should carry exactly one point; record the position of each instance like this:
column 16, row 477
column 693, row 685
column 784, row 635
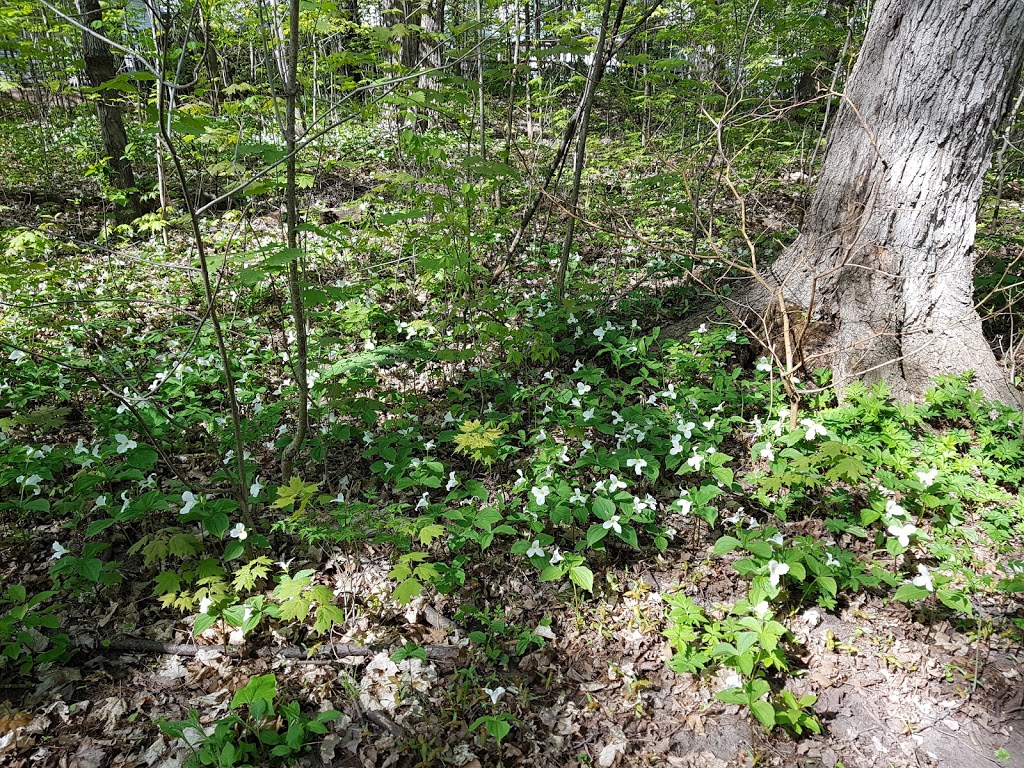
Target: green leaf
column 233, row 550
column 727, row 544
column 955, row 600
column 764, row 712
column 259, row 690
column 909, row 593
column 430, row 532
column 406, row 591
column 582, row 577
column 203, row 622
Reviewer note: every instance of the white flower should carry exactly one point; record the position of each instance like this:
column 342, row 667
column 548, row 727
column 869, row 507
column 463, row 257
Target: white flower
column 577, row 367
column 582, row 388
column 703, row 328
column 683, row 505
column 339, row 499
column 903, row 533
column 614, row 484
column 731, row 338
column 204, row 604
column 124, row 444
column 767, row 452
column 16, row 356
column 239, row 532
column 535, row 550
column 423, row 503
column 924, row 578
column 927, row 478
column 600, row 332
column 495, row 693
column 149, row 482
column 588, row 414
column 80, row 447
column 58, row 551
column 256, row 487
column 556, row 557
column 776, row 539
column 453, row 482
column 776, row 571
column 831, row 561
column 188, row 500
column 637, row 464
column 708, row 424
column 670, row 392
column 733, row 680
column 677, row 445
column 695, row 460
column 760, row 609
column 577, row 497
column 894, row 510
column 764, row 364
column 612, row 523
column 813, row 429
column 686, row 429
column 540, row 495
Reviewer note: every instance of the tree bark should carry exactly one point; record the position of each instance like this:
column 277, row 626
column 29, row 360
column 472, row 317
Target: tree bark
column 99, row 66
column 879, row 282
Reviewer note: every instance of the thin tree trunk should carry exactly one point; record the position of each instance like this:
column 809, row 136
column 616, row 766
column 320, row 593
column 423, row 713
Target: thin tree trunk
column 879, row 281
column 298, row 310
column 580, row 157
column 99, row 67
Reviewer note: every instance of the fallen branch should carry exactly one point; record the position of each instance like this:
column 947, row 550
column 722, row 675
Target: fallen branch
column 447, row 653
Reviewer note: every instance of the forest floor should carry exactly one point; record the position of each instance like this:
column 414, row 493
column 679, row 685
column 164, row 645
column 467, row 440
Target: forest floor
column 892, row 690
column 586, row 678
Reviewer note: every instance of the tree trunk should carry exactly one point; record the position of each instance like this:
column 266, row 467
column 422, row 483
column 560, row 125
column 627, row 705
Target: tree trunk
column 879, row 282
column 99, row 66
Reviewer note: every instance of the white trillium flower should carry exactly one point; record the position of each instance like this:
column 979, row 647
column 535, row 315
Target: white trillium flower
column 776, row 571
column 732, row 681
column 540, row 494
column 677, row 445
column 239, row 532
column 453, row 482
column 894, row 510
column 923, row 578
column 612, row 523
column 831, row 561
column 903, row 533
column 188, row 501
column 776, row 539
column 708, row 424
column 124, row 444
column 256, row 487
column 695, row 460
column 599, row 333
column 204, row 604
column 582, row 388
column 556, row 557
column 535, row 550
column 577, row 497
column 767, row 453
column 764, row 364
column 761, row 609
column 58, row 551
column 637, row 464
column 813, row 429
column 614, row 484
column 495, row 693
column 927, row 478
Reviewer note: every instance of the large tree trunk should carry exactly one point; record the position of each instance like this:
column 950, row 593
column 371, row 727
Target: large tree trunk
column 883, row 265
column 99, row 66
